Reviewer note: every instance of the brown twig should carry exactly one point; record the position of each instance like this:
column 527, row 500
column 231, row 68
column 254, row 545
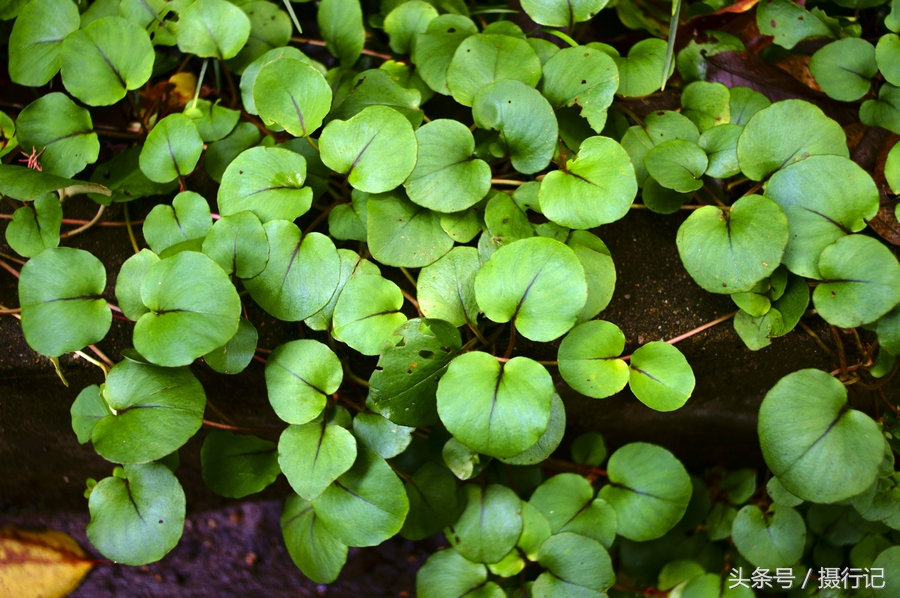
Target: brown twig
column 318, row 42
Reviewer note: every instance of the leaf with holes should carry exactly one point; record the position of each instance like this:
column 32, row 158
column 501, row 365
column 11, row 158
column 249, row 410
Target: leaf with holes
column 435, row 48
column 582, row 77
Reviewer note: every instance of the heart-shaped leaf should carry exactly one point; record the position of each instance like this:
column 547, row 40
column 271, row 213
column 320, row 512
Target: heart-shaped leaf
column 405, row 21
column 485, row 58
column 62, row 132
column 341, row 24
column 641, row 72
column 582, row 77
column 172, row 149
column 549, row 440
column 848, row 440
column 154, row 412
column 267, row 181
column 381, row 435
column 36, row 40
column 129, row 280
column 403, row 233
column 314, row 455
column 376, row 87
column 89, row 408
column 313, row 549
column 490, row 525
column 187, row 218
column 270, row 28
column 883, row 112
column 677, row 164
column 448, row 574
column 34, row 229
column 248, row 77
column 238, row 243
column 708, row 105
column 300, row 376
column 238, row 466
column 213, row 28
column 658, row 127
column 234, row 356
column 588, row 359
column 599, row 271
column 293, row 94
column 434, row 50
column 367, row 313
column 213, row 120
column 351, row 267
column 844, row 68
column 557, row 13
column 567, row 502
column 661, row 377
column 446, row 288
column 888, row 54
column 573, row 560
column 720, row 144
column 769, row 541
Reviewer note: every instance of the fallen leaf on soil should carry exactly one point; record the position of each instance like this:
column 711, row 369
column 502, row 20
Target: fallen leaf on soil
column 46, row 564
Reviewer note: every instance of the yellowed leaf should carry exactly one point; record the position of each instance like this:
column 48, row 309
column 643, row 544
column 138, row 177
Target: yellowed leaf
column 185, row 86
column 48, row 564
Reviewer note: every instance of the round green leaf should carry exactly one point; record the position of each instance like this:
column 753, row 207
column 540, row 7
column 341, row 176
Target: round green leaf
column 790, row 23
column 313, row 549
column 137, row 520
column 888, row 56
column 588, row 359
column 34, row 229
column 154, row 412
column 61, row 296
column 490, row 525
column 448, row 574
column 589, row 449
column 599, row 271
column 720, row 144
column 193, row 306
column 434, row 49
column 293, row 94
column 525, row 119
column 787, row 132
column 376, row 149
column 248, row 77
column 582, row 77
column 844, row 68
column 270, row 28
column 341, row 24
column 649, row 490
column 213, row 120
column 557, row 13
column 707, row 104
column 837, row 451
column 549, row 440
column 729, row 252
column 446, row 288
column 187, row 218
column 314, row 455
column 535, row 529
column 769, row 541
column 381, row 434
column 892, row 169
column 365, row 506
column 861, row 282
column 88, row 408
column 596, row 187
column 677, row 164
column 889, row 331
column 101, row 62
column 405, row 21
column 402, row 233
column 889, row 563
column 300, row 376
column 446, row 178
column 238, row 243
column 172, row 149
column 641, row 73
column 36, row 40
column 484, row 58
column 300, row 276
column 234, row 356
column 499, row 409
column 779, row 494
column 377, row 87
column 566, row 500
column 661, row 377
column 367, row 313
column 129, row 280
column 658, row 127
column 538, row 282
column 883, row 112
column 236, row 465
column 213, row 28
column 573, row 560
column 61, row 132
column 463, row 461
column 402, row 387
column 351, row 267
column 746, row 102
column 267, row 181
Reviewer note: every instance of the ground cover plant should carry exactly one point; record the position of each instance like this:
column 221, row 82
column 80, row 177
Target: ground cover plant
column 415, row 184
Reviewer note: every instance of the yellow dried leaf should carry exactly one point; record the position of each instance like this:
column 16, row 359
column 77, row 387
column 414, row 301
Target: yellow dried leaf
column 48, row 564
column 185, row 86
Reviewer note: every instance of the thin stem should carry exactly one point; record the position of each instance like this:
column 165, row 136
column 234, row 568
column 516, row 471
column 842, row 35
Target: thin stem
column 412, row 300
column 211, row 424
column 842, row 357
column 10, row 312
column 506, row 359
column 815, row 336
column 9, row 268
column 114, row 307
column 701, row 328
column 312, row 142
column 409, row 277
column 753, row 189
column 512, row 339
column 560, row 465
column 477, row 332
column 218, row 412
column 508, row 182
column 231, row 88
column 318, row 42
column 353, row 377
column 322, row 216
column 101, row 355
column 12, row 258
column 137, row 112
column 627, row 112
column 641, row 206
column 84, row 227
column 94, row 361
column 134, row 242
column 200, row 82
column 100, row 130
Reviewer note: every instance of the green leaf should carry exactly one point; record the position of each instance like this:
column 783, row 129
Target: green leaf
column 658, row 127
column 538, row 282
column 746, row 102
column 403, row 386
column 172, row 149
column 649, row 490
column 769, row 541
column 300, row 376
column 434, row 49
column 365, row 506
column 720, row 144
column 832, row 433
column 267, row 181
column 844, row 68
column 238, row 466
column 462, row 226
column 719, row 521
column 891, row 169
column 582, row 77
column 193, row 306
column 351, row 267
column 641, row 72
column 676, row 572
column 341, row 25
column 300, row 276
column 129, row 280
column 824, row 198
column 499, row 409
column 26, row 184
column 573, row 560
column 790, row 23
column 123, row 177
column 367, row 313
column 706, row 104
column 61, row 296
column 889, row 331
column 557, row 13
column 154, row 411
column 406, row 21
column 463, row 461
column 730, row 251
column 234, row 356
column 484, row 58
column 270, row 28
column 692, row 59
column 293, row 94
column 138, row 519
column 892, row 21
column 596, row 187
column 887, row 562
column 787, row 132
column 739, row 485
column 381, row 435
column 549, row 440
column 314, row 455
column 312, row 547
column 567, row 502
column 883, row 112
column 888, row 57
column 213, row 120
column 448, row 574
column 238, row 243
column 446, row 177
column 213, row 29
column 376, row 149
column 187, row 218
column 589, row 449
column 404, row 234
column 588, row 359
column 535, row 529
column 779, row 494
column 861, row 282
column 525, row 120
column 251, row 72
column 36, row 40
column 88, row 409
column 661, row 377
column 434, row 501
column 34, row 229
column 711, row 585
column 376, row 87
column 490, row 525
column 677, row 164
column 599, row 271
column 61, row 131
column 101, row 62
column 446, row 288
